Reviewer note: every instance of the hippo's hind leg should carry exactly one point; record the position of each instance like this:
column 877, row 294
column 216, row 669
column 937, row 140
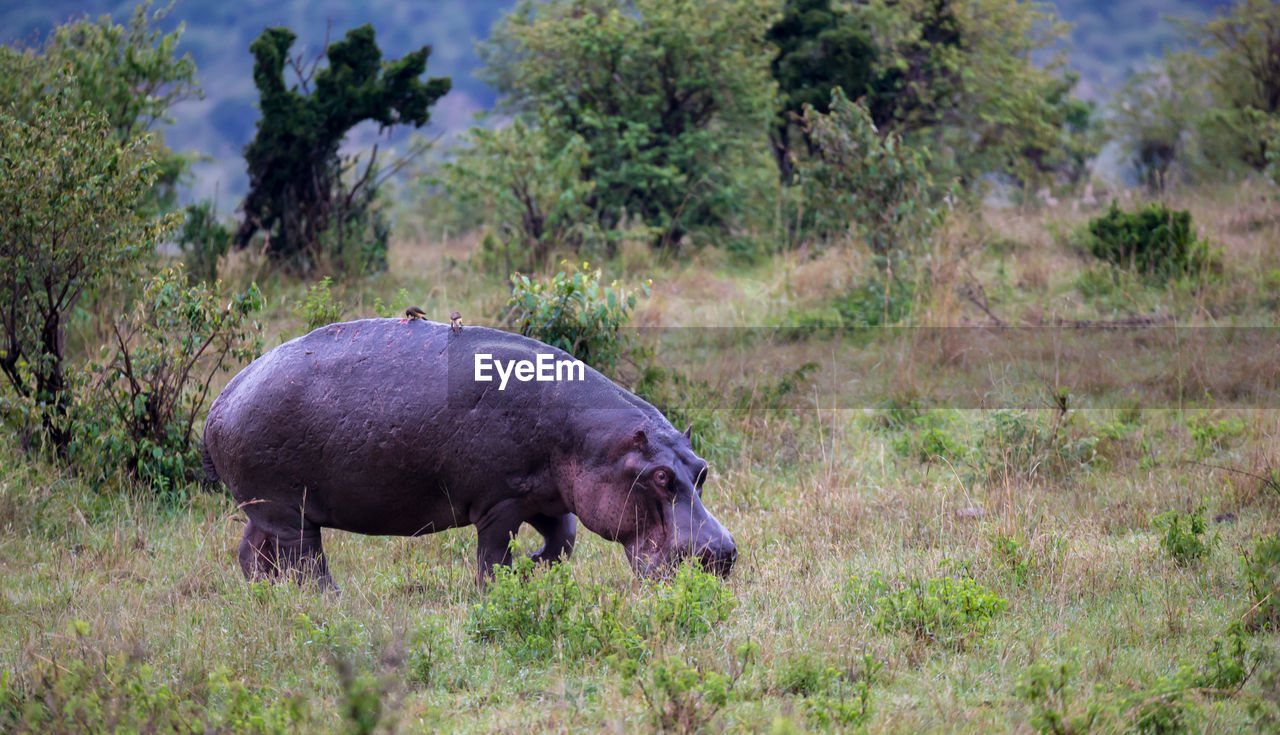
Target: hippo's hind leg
column 257, row 553
column 559, row 534
column 268, row 549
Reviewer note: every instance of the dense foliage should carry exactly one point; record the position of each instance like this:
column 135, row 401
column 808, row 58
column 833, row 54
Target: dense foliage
column 668, row 98
column 72, row 217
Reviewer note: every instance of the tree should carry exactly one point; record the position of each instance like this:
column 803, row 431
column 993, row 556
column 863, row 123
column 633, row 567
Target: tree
column 669, row 97
column 72, row 216
column 879, row 185
column 296, row 188
column 132, row 73
column 1210, row 112
column 955, row 76
column 820, row 48
column 533, row 191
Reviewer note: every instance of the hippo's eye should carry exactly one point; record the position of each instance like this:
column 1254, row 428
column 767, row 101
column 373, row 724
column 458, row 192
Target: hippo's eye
column 661, row 478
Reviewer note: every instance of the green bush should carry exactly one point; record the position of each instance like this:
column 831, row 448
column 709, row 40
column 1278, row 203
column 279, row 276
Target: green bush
column 577, row 314
column 694, row 602
column 534, row 610
column 429, row 644
column 1025, row 445
column 942, row 609
column 1184, row 535
column 831, row 699
column 152, row 383
column 1155, row 241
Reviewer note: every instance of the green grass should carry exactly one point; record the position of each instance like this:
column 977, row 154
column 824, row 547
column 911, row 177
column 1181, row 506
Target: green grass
column 116, row 609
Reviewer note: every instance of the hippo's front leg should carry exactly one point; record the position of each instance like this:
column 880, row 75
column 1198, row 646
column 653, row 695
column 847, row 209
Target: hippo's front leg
column 495, row 530
column 559, row 534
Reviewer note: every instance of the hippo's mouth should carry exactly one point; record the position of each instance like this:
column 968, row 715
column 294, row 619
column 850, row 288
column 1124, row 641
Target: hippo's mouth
column 657, row 563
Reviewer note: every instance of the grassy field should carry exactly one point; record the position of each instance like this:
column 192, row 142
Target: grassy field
column 903, row 567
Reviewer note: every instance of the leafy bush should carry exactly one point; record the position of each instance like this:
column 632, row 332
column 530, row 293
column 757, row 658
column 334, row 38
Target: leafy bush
column 1011, row 553
column 694, row 602
column 318, row 307
column 1184, row 535
column 1213, row 436
column 942, row 609
column 575, row 313
column 428, row 644
column 1261, row 569
column 533, row 610
column 153, row 382
column 1155, row 241
column 669, row 98
column 876, row 302
column 1021, row 444
column 685, row 698
column 72, row 201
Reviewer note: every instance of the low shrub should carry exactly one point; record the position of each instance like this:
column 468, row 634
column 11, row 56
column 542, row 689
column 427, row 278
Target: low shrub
column 534, row 611
column 1156, row 241
column 87, row 690
column 941, row 609
column 1184, row 535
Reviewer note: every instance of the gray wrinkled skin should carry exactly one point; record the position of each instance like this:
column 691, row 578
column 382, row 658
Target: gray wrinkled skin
column 377, row 427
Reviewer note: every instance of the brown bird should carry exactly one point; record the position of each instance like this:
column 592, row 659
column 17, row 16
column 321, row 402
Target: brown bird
column 414, row 312
column 455, row 321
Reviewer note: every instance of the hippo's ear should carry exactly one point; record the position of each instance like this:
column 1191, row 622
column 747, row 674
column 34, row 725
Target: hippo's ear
column 640, row 440
column 688, row 433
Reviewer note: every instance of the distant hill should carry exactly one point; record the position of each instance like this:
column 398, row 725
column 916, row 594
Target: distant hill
column 1109, row 39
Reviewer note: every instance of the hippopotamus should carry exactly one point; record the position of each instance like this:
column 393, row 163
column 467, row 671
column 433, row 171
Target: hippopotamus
column 408, row 427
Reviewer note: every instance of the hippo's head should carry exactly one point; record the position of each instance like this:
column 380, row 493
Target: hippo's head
column 646, row 493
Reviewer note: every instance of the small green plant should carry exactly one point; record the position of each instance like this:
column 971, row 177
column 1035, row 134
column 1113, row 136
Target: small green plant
column 943, row 610
column 1155, row 241
column 1021, row 444
column 428, row 644
column 534, row 610
column 1011, row 553
column 1261, row 570
column 1055, row 708
column 831, row 698
column 574, row 312
column 318, row 307
column 1212, row 436
column 1184, row 535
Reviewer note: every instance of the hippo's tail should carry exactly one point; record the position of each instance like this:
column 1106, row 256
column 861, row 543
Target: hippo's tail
column 211, row 479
